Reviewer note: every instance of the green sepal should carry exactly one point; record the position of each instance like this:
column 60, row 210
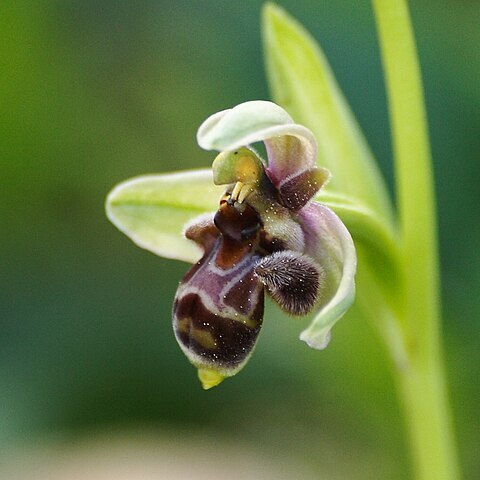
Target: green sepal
column 152, row 210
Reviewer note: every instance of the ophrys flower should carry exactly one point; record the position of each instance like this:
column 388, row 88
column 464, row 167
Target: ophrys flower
column 267, row 235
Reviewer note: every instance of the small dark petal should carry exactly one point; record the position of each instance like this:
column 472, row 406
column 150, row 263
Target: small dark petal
column 296, row 191
column 292, row 280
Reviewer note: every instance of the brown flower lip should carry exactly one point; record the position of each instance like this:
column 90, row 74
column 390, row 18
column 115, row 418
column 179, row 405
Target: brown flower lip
column 219, row 305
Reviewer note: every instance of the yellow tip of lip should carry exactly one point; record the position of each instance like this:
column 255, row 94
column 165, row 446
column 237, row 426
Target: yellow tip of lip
column 209, row 378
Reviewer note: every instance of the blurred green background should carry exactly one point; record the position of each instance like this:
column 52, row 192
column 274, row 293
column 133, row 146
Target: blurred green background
column 94, row 92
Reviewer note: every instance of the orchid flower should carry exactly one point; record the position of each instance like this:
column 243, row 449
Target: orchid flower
column 268, row 234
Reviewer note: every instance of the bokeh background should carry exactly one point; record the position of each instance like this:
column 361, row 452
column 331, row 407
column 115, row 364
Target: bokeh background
column 92, row 383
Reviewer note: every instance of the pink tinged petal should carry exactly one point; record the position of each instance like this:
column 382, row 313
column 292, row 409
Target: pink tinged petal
column 328, row 241
column 291, row 148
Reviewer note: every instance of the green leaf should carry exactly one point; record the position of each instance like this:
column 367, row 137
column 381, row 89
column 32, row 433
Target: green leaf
column 302, row 82
column 152, row 210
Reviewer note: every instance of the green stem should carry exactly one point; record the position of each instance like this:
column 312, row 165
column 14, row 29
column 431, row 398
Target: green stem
column 421, row 383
